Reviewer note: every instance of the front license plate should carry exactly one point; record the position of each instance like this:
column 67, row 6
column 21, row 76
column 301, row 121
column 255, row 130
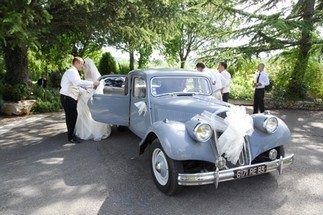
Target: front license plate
column 243, row 173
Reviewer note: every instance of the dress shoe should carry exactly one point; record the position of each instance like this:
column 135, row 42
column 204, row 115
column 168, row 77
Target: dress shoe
column 74, row 140
column 78, row 139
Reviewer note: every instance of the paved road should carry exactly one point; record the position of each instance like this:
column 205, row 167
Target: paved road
column 40, row 173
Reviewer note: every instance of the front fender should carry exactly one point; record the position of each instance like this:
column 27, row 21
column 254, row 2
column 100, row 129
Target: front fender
column 260, row 141
column 177, row 143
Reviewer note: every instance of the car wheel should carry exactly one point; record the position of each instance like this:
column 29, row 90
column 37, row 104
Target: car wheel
column 281, row 151
column 122, row 128
column 164, row 169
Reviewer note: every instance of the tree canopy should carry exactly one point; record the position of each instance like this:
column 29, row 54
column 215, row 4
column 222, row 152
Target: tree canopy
column 212, row 30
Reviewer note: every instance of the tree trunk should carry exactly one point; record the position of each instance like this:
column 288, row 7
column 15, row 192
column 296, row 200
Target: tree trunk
column 141, row 60
column 305, row 43
column 16, row 60
column 182, row 63
column 132, row 60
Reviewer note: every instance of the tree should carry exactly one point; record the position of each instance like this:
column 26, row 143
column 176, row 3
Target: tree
column 137, row 26
column 19, row 28
column 199, row 28
column 54, row 29
column 289, row 28
column 107, row 64
column 144, row 53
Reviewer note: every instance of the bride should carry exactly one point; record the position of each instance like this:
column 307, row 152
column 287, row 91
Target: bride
column 86, row 128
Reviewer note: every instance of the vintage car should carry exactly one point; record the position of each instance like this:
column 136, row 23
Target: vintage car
column 193, row 139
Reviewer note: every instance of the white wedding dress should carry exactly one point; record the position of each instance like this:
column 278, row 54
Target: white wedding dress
column 86, row 128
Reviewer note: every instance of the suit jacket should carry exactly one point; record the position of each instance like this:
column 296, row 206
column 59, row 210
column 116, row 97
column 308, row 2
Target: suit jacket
column 42, row 82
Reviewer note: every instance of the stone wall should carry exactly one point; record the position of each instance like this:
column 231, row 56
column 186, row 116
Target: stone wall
column 272, row 103
column 19, row 108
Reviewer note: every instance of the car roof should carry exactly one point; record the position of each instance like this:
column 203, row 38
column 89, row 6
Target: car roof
column 152, row 72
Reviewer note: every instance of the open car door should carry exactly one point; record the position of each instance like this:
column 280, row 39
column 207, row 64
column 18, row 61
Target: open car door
column 110, row 103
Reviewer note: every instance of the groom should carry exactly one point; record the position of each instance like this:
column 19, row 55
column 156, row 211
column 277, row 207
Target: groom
column 71, row 84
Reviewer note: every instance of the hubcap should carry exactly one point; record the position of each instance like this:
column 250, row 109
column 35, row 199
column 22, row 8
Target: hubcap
column 160, row 166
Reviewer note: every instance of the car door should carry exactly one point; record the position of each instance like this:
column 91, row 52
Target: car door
column 139, row 109
column 111, row 104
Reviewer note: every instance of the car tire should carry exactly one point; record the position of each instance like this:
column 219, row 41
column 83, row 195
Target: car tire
column 164, row 169
column 281, row 151
column 122, row 128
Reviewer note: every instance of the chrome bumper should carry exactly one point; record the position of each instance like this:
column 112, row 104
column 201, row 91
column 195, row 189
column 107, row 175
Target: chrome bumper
column 228, row 174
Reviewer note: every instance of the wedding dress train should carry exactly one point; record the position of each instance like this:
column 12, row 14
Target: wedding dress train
column 86, row 128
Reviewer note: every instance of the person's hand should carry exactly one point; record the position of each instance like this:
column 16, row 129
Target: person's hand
column 96, row 83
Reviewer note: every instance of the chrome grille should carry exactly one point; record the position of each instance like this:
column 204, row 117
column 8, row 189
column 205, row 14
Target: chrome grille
column 244, row 158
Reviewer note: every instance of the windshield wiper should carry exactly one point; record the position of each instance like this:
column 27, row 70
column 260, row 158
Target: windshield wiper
column 184, row 93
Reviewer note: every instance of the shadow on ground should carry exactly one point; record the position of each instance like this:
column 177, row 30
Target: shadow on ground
column 42, row 174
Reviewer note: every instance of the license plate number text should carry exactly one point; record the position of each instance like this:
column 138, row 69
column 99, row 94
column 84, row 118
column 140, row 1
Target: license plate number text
column 243, row 173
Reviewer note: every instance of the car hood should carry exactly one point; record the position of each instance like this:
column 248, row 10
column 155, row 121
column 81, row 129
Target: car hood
column 183, row 108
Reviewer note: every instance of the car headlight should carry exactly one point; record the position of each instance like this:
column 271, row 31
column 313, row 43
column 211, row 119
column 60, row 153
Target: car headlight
column 271, row 124
column 203, row 132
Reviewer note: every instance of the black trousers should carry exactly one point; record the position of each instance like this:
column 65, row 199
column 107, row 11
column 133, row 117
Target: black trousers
column 258, row 100
column 70, row 108
column 225, row 97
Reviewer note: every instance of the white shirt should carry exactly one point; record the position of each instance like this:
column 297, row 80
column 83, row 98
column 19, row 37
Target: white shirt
column 71, row 83
column 227, row 77
column 217, row 80
column 263, row 79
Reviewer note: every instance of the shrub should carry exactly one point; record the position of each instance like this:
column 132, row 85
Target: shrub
column 47, row 100
column 107, row 64
column 296, row 90
column 15, row 92
column 123, row 68
column 54, row 79
column 242, row 79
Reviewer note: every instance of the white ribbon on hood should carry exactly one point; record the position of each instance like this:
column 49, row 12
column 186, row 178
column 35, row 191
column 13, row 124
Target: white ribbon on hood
column 235, row 127
column 231, row 141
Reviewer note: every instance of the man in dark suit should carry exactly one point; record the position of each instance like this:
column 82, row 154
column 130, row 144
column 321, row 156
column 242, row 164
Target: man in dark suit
column 42, row 82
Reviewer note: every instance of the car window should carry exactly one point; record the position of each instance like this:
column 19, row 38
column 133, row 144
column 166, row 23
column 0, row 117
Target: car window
column 166, row 85
column 139, row 87
column 115, row 86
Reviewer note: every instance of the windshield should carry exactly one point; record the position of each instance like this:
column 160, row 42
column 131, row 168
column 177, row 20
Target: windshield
column 180, row 85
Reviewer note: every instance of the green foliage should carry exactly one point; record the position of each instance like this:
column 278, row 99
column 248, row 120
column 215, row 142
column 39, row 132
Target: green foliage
column 54, row 79
column 198, row 27
column 266, row 26
column 2, row 67
column 1, row 104
column 47, row 100
column 243, row 77
column 107, row 64
column 14, row 93
column 145, row 51
column 286, row 87
column 22, row 22
column 123, row 68
column 296, row 90
column 314, row 77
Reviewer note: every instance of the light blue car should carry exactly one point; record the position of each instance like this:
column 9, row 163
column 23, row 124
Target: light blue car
column 192, row 138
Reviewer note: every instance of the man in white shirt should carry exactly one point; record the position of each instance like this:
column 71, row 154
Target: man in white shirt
column 227, row 79
column 71, row 84
column 216, row 79
column 262, row 81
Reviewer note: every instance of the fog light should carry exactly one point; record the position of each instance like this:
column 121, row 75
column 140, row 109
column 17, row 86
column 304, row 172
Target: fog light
column 273, row 154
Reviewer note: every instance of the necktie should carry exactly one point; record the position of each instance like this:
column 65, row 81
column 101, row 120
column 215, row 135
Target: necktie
column 258, row 77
